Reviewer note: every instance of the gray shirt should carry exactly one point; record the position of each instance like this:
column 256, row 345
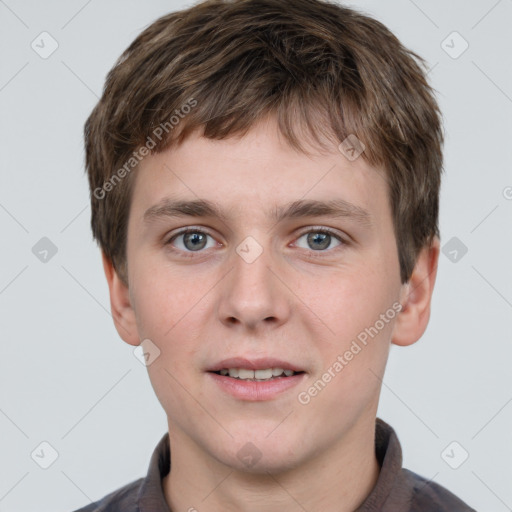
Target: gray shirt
column 397, row 489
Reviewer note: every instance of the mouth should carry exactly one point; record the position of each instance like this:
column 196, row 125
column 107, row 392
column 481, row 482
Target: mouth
column 261, row 375
column 256, row 379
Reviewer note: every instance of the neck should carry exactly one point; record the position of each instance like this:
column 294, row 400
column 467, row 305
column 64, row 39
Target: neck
column 338, row 480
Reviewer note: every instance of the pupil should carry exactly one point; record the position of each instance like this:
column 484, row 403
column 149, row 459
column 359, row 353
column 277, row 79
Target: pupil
column 198, row 241
column 323, row 238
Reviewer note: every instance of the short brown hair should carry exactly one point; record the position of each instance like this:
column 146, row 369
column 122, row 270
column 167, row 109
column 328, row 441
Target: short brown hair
column 310, row 63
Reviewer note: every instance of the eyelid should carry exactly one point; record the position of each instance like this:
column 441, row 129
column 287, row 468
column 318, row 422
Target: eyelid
column 324, row 229
column 183, row 231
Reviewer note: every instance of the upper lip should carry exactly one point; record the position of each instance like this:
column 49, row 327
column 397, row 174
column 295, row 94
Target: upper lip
column 253, row 364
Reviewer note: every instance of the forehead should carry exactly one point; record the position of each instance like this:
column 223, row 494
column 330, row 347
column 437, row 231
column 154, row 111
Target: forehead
column 258, row 171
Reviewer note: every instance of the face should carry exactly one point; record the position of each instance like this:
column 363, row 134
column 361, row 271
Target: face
column 267, row 278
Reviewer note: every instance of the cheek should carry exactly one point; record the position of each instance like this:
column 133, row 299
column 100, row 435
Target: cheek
column 165, row 300
column 349, row 381
column 171, row 311
column 360, row 311
column 349, row 301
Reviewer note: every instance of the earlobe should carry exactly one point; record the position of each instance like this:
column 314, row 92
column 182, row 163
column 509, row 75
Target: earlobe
column 416, row 298
column 120, row 304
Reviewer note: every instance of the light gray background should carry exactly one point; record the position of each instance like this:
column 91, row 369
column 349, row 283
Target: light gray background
column 68, row 379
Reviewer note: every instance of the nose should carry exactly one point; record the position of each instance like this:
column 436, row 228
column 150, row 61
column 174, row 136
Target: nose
column 252, row 295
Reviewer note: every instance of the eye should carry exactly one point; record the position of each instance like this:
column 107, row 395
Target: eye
column 319, row 239
column 191, row 240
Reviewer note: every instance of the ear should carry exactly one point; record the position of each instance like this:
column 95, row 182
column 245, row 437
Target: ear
column 123, row 313
column 416, row 296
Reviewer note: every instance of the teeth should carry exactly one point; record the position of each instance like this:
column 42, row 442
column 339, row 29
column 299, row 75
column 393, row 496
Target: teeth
column 258, row 375
column 244, row 374
column 263, row 374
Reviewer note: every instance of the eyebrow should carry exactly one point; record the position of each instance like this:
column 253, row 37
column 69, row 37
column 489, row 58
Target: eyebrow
column 168, row 207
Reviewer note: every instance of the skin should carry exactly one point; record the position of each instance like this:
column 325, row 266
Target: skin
column 295, row 302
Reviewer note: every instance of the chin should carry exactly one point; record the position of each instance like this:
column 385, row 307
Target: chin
column 276, row 463
column 258, row 453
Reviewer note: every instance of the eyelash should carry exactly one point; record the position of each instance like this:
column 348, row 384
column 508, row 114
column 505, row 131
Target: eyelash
column 314, row 254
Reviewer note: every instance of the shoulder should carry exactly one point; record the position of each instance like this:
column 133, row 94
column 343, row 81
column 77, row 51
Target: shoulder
column 123, row 499
column 428, row 496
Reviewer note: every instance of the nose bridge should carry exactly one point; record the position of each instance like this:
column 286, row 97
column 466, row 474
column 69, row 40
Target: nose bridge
column 251, row 294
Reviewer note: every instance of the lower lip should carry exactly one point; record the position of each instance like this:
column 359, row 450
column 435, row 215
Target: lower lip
column 253, row 390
